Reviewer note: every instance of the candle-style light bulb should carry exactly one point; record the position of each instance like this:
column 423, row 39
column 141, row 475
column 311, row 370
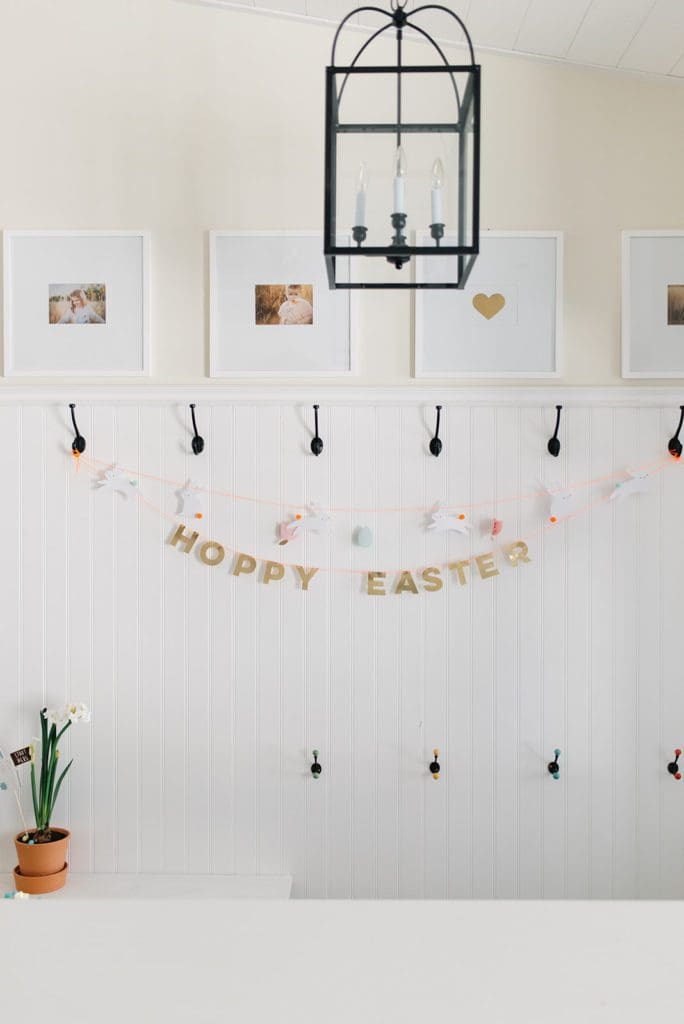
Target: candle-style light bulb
column 399, row 175
column 437, row 173
column 436, row 192
column 361, row 190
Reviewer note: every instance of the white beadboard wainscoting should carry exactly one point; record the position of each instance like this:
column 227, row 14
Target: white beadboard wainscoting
column 209, row 692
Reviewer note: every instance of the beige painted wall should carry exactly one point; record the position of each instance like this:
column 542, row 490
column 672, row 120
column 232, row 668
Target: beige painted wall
column 178, row 118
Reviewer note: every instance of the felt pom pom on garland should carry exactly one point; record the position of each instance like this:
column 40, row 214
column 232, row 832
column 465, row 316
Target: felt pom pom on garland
column 363, row 536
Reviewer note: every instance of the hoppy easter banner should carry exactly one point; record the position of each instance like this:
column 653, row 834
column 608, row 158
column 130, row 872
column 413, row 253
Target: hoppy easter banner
column 378, row 583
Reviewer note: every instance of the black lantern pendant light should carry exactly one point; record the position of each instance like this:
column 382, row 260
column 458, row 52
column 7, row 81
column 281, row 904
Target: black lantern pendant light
column 402, row 161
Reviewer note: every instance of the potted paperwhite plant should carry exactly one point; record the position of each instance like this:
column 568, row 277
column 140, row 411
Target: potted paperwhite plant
column 42, row 851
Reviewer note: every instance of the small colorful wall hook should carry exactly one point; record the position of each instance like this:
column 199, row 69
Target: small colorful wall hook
column 553, row 768
column 316, row 768
column 78, row 444
column 435, row 766
column 673, row 766
column 674, row 445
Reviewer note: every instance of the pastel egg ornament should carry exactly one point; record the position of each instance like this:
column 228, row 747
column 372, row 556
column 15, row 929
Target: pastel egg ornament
column 363, row 536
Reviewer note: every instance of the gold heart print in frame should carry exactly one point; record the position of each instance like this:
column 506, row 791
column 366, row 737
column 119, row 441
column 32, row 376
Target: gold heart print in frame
column 489, row 305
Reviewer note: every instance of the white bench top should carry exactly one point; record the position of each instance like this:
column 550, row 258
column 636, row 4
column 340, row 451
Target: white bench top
column 168, row 887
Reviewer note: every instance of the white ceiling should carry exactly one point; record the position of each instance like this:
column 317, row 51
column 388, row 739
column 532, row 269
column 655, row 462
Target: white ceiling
column 629, row 35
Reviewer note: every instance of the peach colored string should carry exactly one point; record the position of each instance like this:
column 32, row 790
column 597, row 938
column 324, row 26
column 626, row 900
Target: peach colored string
column 363, row 572
column 657, row 464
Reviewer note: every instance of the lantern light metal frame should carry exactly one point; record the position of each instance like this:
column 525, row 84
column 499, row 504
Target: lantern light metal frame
column 466, row 124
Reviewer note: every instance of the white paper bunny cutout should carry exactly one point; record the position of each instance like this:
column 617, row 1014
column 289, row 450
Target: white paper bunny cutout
column 639, row 482
column 444, row 520
column 116, row 480
column 193, row 504
column 562, row 504
column 314, row 521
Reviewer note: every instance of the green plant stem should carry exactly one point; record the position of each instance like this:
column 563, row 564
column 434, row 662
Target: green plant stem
column 43, row 764
column 57, row 787
column 34, row 794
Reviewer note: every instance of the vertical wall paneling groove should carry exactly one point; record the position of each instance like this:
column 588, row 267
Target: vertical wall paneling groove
column 575, row 740
column 603, row 764
column 649, row 552
column 504, row 484
column 210, row 691
column 458, row 745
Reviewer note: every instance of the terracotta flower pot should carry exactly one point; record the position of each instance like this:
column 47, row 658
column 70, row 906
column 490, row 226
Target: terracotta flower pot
column 42, row 858
column 38, row 885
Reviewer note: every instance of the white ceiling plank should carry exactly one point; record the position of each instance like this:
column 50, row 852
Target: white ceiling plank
column 607, row 30
column 659, row 44
column 624, row 35
column 494, row 24
column 550, row 26
column 330, row 10
column 281, row 6
column 441, row 27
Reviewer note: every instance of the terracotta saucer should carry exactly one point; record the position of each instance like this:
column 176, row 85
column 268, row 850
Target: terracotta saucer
column 38, row 885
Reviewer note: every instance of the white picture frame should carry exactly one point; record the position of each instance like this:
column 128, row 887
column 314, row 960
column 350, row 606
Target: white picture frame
column 652, row 347
column 239, row 261
column 451, row 339
column 37, row 264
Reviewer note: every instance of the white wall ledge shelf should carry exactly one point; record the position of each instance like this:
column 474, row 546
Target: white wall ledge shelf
column 400, row 394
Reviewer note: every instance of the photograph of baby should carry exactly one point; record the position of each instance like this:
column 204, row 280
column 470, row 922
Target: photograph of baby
column 77, row 304
column 675, row 305
column 285, row 305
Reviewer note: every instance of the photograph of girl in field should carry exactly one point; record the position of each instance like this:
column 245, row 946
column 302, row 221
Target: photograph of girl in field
column 287, row 305
column 675, row 305
column 78, row 304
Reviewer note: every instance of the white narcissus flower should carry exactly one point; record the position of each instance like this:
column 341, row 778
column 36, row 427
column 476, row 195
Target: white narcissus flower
column 78, row 713
column 67, row 713
column 55, row 716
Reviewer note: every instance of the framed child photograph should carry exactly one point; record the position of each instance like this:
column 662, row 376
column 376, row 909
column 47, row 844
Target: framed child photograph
column 272, row 310
column 653, row 304
column 505, row 322
column 76, row 303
